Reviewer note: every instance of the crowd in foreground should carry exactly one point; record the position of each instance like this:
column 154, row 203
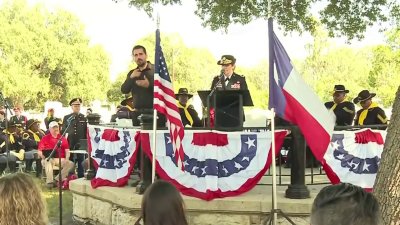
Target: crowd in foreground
column 21, row 203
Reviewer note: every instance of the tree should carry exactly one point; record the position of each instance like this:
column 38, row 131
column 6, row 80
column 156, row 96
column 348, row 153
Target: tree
column 387, row 183
column 348, row 18
column 46, row 55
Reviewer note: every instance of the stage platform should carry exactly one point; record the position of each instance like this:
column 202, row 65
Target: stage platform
column 121, row 206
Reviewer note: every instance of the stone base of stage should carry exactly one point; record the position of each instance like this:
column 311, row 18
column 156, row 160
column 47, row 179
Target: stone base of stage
column 121, row 206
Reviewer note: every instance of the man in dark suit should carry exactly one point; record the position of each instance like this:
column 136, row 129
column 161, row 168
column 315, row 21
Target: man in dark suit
column 76, row 132
column 228, row 80
column 371, row 113
column 344, row 110
column 188, row 114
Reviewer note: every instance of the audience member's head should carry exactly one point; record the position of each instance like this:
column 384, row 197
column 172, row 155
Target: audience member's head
column 21, row 202
column 162, row 204
column 345, row 204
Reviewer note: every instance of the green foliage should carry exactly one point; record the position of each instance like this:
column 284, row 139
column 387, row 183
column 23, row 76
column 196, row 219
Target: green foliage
column 348, row 18
column 375, row 69
column 194, row 68
column 47, row 56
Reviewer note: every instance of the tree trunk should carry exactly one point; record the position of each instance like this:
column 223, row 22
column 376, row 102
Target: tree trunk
column 387, row 183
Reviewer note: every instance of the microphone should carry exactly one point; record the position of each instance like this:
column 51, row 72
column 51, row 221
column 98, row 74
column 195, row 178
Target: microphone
column 70, row 119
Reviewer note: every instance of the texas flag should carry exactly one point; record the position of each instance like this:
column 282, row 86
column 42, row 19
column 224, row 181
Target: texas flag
column 216, row 164
column 113, row 151
column 354, row 157
column 294, row 101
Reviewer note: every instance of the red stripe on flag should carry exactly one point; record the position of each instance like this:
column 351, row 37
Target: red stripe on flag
column 315, row 135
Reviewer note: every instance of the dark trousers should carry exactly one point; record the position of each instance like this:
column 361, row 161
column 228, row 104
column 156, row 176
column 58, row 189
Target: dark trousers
column 78, row 159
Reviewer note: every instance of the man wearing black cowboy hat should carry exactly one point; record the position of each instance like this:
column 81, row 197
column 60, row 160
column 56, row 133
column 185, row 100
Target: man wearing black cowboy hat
column 76, row 131
column 371, row 113
column 188, row 114
column 344, row 110
column 30, row 140
column 14, row 146
column 128, row 111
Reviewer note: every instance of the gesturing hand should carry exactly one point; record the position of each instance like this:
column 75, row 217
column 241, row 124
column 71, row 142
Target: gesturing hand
column 143, row 83
column 135, row 73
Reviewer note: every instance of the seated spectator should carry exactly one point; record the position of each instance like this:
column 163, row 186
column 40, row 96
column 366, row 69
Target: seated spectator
column 345, row 204
column 18, row 118
column 46, row 145
column 21, row 201
column 162, row 204
column 30, row 140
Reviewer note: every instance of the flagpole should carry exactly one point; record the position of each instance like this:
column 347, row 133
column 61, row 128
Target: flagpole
column 273, row 149
column 154, row 149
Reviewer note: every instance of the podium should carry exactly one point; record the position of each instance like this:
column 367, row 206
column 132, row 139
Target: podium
column 228, row 107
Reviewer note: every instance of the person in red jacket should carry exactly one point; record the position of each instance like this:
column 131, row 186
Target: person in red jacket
column 45, row 147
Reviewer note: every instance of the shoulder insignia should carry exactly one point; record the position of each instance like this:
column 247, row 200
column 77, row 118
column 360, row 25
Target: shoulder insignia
column 25, row 136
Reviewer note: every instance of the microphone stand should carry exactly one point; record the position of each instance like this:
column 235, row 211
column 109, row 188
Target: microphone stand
column 210, row 95
column 58, row 149
column 7, row 106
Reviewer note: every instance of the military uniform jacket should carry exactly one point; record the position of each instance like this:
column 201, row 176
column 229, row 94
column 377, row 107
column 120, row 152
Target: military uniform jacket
column 77, row 130
column 28, row 140
column 196, row 120
column 236, row 82
column 15, row 146
column 344, row 111
column 19, row 120
column 375, row 116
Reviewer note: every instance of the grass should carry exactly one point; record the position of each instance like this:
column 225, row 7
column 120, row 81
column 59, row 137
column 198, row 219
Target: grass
column 52, row 204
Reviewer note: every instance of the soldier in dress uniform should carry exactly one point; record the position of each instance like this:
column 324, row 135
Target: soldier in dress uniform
column 30, row 140
column 188, row 114
column 228, row 80
column 344, row 110
column 76, row 132
column 18, row 118
column 371, row 113
column 12, row 137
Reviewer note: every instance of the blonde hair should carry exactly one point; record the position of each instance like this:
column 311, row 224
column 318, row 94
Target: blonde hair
column 21, row 201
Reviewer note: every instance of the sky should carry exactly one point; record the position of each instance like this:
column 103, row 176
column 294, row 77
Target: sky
column 117, row 27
